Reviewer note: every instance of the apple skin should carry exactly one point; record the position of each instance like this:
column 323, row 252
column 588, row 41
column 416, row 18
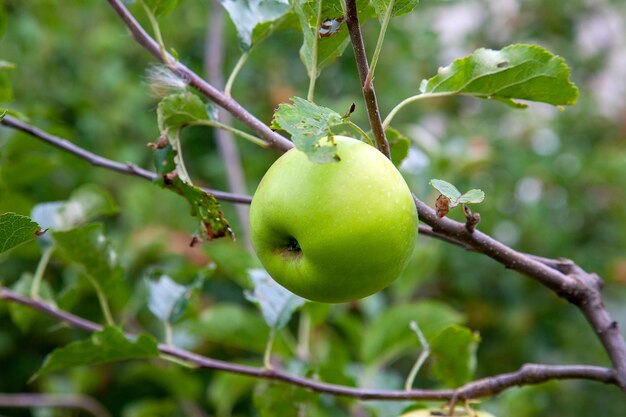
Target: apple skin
column 334, row 232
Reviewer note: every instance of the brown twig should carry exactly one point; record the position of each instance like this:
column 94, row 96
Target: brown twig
column 97, row 160
column 527, row 375
column 71, row 401
column 233, row 107
column 369, row 94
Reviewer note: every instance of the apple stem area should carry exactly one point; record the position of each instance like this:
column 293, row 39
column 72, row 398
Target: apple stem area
column 293, row 245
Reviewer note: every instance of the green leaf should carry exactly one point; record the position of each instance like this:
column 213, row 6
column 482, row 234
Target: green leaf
column 85, row 204
column 167, row 299
column 152, row 408
column 16, row 230
column 517, row 72
column 108, row 345
column 205, row 206
column 399, row 145
column 176, row 110
column 88, row 247
column 453, row 352
column 329, row 48
column 226, row 389
column 307, row 123
column 472, row 197
column 161, row 7
column 255, row 20
column 400, row 7
column 23, row 316
column 446, row 189
column 6, row 92
column 389, row 334
column 273, row 399
column 277, row 304
column 3, row 112
column 233, row 326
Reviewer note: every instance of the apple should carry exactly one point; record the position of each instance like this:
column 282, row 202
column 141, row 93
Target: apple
column 334, row 232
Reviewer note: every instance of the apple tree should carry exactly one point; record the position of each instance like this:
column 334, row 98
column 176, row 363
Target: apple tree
column 135, row 280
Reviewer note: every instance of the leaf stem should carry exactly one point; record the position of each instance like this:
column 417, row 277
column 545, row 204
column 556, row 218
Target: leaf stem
column 169, row 336
column 104, row 304
column 181, row 162
column 238, row 66
column 360, row 131
column 157, row 33
column 267, row 355
column 313, row 71
column 41, row 268
column 250, row 138
column 410, row 100
column 379, row 43
column 408, row 385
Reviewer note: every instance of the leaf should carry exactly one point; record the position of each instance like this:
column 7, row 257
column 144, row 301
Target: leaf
column 446, row 189
column 161, row 7
column 389, row 334
column 472, row 197
column 23, row 316
column 3, row 20
column 273, row 399
column 232, row 325
column 255, row 19
column 107, row 345
column 226, row 389
column 454, row 355
column 176, row 110
column 88, row 247
column 277, row 304
column 307, row 123
column 517, row 72
column 203, row 205
column 329, row 48
column 167, row 299
column 400, row 7
column 6, row 92
column 399, row 145
column 16, row 230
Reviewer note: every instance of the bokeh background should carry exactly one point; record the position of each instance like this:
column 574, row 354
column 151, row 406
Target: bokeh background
column 555, row 184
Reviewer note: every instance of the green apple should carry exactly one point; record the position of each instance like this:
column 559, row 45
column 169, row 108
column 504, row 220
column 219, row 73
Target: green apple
column 334, row 232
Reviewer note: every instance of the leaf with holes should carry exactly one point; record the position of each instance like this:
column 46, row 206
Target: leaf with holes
column 203, row 205
column 517, row 72
column 307, row 123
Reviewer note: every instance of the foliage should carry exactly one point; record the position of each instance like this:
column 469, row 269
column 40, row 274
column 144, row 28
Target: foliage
column 554, row 181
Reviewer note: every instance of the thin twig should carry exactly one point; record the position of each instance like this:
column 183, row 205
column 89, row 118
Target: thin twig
column 527, row 375
column 100, row 161
column 232, row 106
column 373, row 113
column 72, row 401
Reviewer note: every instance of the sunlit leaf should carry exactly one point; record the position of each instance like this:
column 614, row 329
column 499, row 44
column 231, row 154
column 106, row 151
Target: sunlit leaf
column 517, row 72
column 108, row 345
column 276, row 303
column 446, row 189
column 453, row 352
column 167, row 299
column 254, row 19
column 307, row 123
column 16, row 230
column 473, row 196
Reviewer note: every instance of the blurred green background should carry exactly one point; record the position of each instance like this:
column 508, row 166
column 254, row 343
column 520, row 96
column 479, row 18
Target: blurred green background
column 555, row 182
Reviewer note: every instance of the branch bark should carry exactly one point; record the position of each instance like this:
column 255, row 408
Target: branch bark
column 100, row 161
column 527, row 375
column 369, row 94
column 233, row 107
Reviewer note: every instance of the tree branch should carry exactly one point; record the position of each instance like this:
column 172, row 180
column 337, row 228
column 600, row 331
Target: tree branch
column 373, row 113
column 141, row 36
column 75, row 401
column 97, row 160
column 527, row 375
